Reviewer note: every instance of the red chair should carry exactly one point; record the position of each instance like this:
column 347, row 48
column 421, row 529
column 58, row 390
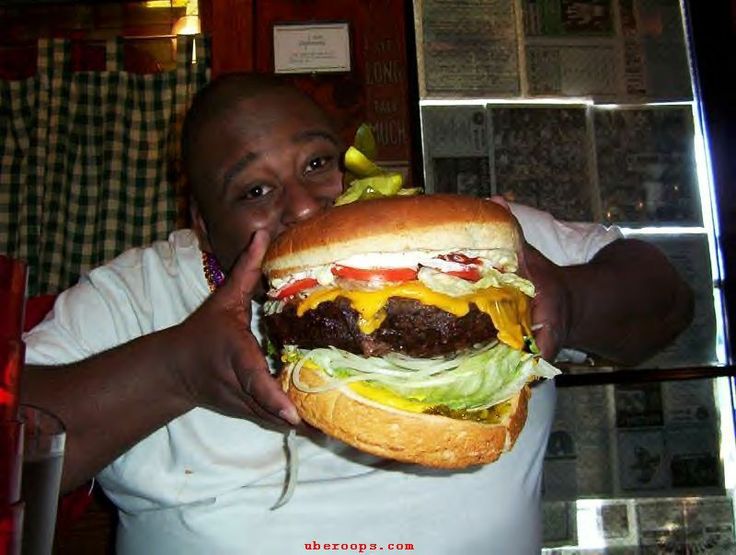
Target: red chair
column 36, row 310
column 13, row 275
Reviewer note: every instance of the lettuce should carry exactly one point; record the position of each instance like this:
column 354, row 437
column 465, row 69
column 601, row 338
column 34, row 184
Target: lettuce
column 477, row 379
column 458, row 287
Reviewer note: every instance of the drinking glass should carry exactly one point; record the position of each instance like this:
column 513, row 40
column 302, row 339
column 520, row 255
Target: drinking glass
column 11, row 461
column 43, row 457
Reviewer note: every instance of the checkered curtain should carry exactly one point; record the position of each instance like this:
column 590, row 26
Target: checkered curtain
column 89, row 160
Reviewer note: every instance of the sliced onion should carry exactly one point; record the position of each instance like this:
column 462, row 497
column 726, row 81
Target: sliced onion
column 292, row 470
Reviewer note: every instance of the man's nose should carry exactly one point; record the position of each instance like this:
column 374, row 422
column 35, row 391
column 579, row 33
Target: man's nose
column 301, row 203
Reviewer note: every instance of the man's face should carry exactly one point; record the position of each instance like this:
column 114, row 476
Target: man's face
column 270, row 163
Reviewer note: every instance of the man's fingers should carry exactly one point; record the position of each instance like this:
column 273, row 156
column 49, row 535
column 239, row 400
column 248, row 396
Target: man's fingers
column 544, row 340
column 528, row 256
column 258, row 383
column 498, row 199
column 261, row 413
column 267, row 393
column 547, row 339
column 246, row 272
column 234, row 403
column 264, row 389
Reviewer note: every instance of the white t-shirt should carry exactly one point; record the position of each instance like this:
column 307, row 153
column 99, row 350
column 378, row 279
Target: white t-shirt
column 204, row 483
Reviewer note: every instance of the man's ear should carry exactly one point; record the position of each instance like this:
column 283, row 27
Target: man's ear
column 199, row 226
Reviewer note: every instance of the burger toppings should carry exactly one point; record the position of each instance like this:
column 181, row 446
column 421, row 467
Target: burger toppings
column 405, row 305
column 379, row 265
column 409, row 327
column 469, row 273
column 374, row 274
column 294, row 287
column 451, row 283
column 460, row 258
column 475, row 379
column 491, row 415
column 448, row 334
column 499, row 303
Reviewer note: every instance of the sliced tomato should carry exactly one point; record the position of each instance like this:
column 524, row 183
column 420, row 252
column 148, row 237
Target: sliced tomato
column 470, row 273
column 294, row 287
column 375, row 274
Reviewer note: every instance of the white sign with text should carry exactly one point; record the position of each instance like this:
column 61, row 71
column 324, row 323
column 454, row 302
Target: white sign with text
column 311, row 48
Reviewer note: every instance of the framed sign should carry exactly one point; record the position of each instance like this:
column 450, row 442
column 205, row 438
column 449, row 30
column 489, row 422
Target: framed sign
column 311, row 48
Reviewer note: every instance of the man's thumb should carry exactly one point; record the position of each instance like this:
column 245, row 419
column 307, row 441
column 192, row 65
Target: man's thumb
column 246, row 272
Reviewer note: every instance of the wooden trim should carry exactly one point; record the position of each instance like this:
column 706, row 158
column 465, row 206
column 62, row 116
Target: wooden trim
column 231, row 25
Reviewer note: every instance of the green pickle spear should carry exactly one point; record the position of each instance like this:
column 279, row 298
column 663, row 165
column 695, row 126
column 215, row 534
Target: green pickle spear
column 359, row 164
column 365, row 142
column 367, row 179
column 371, row 187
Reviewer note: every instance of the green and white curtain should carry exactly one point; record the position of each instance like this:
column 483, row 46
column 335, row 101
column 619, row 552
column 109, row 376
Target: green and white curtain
column 89, row 160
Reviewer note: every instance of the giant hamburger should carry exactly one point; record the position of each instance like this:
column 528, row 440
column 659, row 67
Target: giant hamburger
column 404, row 328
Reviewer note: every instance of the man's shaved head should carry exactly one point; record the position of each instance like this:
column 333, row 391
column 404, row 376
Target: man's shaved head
column 258, row 154
column 214, row 102
column 218, row 102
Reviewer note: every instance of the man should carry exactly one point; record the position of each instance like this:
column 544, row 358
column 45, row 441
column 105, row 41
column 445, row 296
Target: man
column 167, row 397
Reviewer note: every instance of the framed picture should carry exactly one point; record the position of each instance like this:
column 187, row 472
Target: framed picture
column 312, row 48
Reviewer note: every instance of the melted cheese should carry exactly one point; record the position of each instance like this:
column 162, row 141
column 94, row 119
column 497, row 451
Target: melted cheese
column 384, row 396
column 508, row 308
column 389, row 398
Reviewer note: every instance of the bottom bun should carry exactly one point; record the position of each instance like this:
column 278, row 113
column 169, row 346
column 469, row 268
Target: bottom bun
column 425, row 439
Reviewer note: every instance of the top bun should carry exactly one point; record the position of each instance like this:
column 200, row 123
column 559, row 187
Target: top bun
column 443, row 223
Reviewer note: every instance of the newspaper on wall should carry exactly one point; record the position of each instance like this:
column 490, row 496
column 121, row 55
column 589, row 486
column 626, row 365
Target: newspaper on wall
column 533, row 154
column 655, row 33
column 686, row 525
column 646, row 165
column 709, row 525
column 578, row 457
column 608, row 50
column 632, row 166
column 649, row 453
column 470, row 47
column 636, row 525
column 559, row 523
column 540, row 156
column 629, row 50
column 668, row 439
column 584, row 69
column 570, row 48
column 568, row 17
column 456, row 150
column 634, row 440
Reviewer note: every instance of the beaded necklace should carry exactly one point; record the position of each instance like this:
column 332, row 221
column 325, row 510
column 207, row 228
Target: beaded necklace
column 212, row 271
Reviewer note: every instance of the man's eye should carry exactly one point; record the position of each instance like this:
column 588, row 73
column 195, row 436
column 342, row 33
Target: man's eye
column 318, row 163
column 256, row 191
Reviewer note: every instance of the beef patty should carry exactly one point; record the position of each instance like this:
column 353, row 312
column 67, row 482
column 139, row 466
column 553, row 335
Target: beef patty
column 410, row 327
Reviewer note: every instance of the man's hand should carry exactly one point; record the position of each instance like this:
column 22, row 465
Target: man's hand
column 552, row 304
column 624, row 305
column 220, row 364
